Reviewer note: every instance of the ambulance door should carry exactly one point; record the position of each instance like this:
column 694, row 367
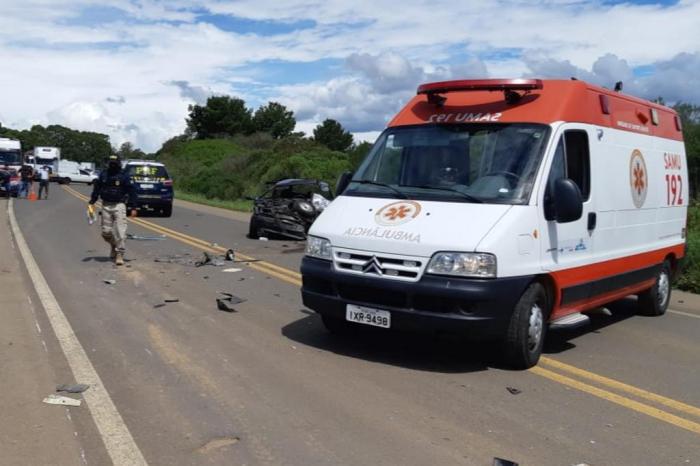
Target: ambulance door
column 569, row 245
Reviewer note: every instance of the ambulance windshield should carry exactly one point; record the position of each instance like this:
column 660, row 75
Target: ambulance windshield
column 491, row 163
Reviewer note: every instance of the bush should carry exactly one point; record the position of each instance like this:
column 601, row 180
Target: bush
column 228, row 169
column 690, row 278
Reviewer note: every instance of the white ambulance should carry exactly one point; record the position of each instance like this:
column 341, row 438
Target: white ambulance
column 497, row 208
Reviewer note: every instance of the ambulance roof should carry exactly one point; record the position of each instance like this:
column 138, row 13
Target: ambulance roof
column 540, row 101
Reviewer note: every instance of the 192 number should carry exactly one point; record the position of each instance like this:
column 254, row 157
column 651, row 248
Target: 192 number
column 674, row 190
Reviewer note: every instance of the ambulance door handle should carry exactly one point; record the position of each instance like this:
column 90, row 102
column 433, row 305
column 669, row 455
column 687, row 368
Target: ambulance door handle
column 592, row 221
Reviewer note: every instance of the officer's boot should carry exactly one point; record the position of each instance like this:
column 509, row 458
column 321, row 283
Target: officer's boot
column 119, row 259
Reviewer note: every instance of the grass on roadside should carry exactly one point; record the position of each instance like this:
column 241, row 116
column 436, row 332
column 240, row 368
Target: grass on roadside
column 240, row 205
column 690, row 278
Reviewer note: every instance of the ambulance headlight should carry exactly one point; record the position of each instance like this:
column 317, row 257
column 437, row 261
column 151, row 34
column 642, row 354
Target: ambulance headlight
column 319, row 248
column 465, row 264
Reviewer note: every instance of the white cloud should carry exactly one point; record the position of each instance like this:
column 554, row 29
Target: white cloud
column 60, row 65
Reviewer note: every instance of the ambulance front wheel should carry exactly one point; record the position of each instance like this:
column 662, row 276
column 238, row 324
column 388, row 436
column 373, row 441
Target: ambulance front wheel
column 526, row 331
column 654, row 301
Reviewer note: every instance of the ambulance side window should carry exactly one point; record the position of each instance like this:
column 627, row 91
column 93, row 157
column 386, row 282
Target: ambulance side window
column 578, row 160
column 571, row 160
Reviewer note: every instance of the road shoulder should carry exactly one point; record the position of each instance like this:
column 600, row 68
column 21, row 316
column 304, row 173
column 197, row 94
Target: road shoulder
column 32, row 432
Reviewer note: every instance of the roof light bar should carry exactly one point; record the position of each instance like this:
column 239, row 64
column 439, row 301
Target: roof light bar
column 480, row 85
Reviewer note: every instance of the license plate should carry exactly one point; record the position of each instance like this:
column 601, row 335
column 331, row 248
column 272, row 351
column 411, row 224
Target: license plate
column 368, row 316
column 146, row 186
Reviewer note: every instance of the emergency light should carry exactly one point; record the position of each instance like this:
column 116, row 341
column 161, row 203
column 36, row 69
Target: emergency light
column 508, row 86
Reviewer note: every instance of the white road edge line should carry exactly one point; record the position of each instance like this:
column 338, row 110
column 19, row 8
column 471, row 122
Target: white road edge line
column 120, row 445
column 681, row 313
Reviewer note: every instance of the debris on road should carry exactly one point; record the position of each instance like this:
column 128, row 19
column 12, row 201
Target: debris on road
column 263, row 238
column 513, row 391
column 208, row 259
column 174, row 259
column 226, row 304
column 502, row 462
column 230, row 255
column 172, row 300
column 61, row 400
column 109, row 281
column 146, row 237
column 232, row 298
column 158, row 306
column 217, row 443
column 72, row 388
column 232, row 270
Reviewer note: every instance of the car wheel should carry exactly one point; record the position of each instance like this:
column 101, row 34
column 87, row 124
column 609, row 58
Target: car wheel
column 167, row 211
column 527, row 328
column 304, row 208
column 253, row 231
column 654, row 301
column 67, row 181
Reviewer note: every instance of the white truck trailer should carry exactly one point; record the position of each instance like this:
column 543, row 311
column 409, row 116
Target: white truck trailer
column 45, row 157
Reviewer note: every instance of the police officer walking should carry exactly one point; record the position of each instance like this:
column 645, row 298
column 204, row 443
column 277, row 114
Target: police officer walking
column 114, row 187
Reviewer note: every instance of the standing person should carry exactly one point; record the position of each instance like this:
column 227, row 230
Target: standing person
column 27, row 174
column 44, row 181
column 114, row 187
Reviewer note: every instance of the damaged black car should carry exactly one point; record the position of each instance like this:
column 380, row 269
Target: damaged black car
column 288, row 208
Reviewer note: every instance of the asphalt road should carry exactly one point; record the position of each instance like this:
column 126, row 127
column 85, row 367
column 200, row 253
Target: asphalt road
column 267, row 385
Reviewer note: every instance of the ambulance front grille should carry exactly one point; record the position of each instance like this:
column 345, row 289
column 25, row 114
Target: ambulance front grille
column 395, row 268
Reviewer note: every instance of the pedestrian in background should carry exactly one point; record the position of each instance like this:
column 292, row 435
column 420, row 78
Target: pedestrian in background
column 27, row 174
column 44, row 175
column 114, row 188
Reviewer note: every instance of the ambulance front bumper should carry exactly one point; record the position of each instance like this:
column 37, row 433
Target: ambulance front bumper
column 478, row 308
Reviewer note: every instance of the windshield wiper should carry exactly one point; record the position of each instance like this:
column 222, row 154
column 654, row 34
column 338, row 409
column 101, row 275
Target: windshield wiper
column 466, row 196
column 384, row 185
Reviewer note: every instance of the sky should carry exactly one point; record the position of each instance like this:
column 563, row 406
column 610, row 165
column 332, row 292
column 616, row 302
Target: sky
column 131, row 68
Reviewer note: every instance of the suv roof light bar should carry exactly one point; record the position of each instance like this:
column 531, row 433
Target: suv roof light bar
column 480, row 85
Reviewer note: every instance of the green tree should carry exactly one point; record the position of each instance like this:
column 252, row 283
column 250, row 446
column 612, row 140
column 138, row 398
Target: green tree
column 331, row 134
column 274, row 118
column 127, row 151
column 221, row 116
column 690, row 120
column 80, row 146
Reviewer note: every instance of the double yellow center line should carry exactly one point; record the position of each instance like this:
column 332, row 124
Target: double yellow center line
column 276, row 271
column 686, row 416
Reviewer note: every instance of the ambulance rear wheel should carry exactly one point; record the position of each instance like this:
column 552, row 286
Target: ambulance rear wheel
column 528, row 325
column 654, row 301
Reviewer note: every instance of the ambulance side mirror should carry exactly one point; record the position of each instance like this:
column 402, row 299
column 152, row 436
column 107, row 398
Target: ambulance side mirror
column 567, row 202
column 343, row 182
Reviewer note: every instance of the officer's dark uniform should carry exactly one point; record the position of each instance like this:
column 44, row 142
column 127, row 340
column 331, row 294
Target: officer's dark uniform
column 114, row 187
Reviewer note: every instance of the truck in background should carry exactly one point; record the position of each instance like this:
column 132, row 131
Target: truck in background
column 45, row 157
column 10, row 154
column 10, row 163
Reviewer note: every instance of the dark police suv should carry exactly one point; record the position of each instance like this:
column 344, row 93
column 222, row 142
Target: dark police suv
column 154, row 187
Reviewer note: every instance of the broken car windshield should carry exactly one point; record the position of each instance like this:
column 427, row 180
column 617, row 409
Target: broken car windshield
column 493, row 163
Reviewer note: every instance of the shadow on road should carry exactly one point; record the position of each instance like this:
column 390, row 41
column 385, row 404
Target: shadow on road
column 97, row 259
column 437, row 353
column 560, row 341
column 430, row 353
